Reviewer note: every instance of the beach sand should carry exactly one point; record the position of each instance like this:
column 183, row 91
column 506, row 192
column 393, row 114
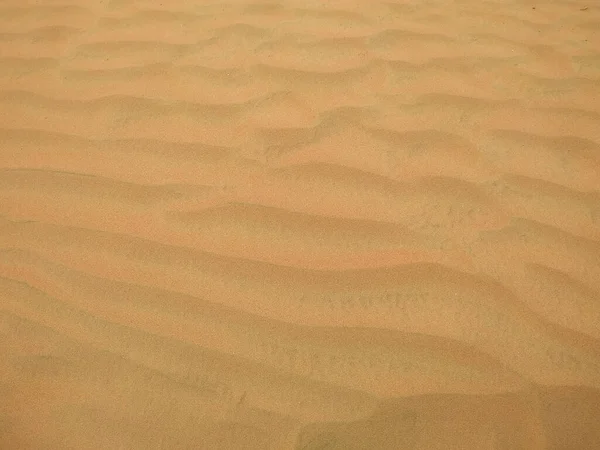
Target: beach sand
column 310, row 225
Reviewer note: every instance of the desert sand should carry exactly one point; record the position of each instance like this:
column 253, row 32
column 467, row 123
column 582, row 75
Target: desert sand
column 316, row 225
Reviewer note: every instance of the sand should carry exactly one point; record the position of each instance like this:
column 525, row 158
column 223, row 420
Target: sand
column 300, row 225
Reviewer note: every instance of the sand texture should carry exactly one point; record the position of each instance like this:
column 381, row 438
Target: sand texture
column 311, row 225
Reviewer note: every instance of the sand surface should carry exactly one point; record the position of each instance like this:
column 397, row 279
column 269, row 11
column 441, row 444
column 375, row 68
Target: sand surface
column 316, row 225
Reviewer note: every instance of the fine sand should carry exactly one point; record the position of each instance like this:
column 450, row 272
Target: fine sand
column 316, row 225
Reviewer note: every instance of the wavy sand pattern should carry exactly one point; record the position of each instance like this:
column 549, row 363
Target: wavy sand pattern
column 300, row 225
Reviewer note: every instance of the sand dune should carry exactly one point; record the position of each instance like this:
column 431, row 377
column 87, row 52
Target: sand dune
column 299, row 225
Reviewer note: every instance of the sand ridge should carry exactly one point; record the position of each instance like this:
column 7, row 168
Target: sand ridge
column 310, row 225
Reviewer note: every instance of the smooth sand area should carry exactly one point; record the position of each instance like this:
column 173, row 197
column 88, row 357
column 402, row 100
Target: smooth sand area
column 311, row 225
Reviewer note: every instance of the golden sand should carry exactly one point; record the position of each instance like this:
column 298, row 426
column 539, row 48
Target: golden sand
column 316, row 225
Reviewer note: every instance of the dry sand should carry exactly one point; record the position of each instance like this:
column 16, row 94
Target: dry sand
column 300, row 224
